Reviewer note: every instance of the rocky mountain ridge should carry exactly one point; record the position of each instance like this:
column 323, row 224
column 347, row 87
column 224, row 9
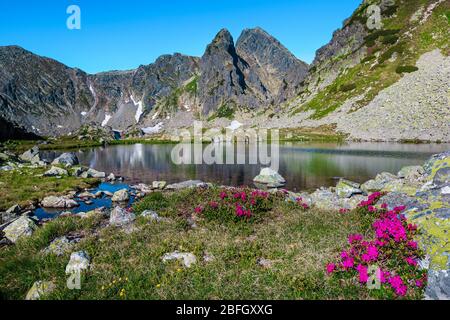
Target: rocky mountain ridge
column 257, row 82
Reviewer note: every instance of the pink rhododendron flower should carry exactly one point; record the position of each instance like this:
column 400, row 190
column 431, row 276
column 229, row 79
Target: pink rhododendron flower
column 198, row 210
column 354, row 238
column 214, row 204
column 363, row 276
column 411, row 261
column 223, row 195
column 412, row 244
column 348, row 263
column 399, row 287
column 331, row 267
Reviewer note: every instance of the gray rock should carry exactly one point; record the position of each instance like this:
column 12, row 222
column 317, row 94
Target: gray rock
column 79, row 261
column 59, row 246
column 121, row 196
column 442, row 177
column 55, row 171
column 120, row 217
column 372, row 186
column 188, row 259
column 111, row 177
column 91, row 173
column 58, row 202
column 159, row 184
column 265, row 263
column 86, row 195
column 397, row 199
column 77, row 171
column 152, row 215
column 346, row 188
column 143, row 188
column 411, row 172
column 66, row 159
column 14, row 209
column 186, row 185
column 22, row 227
column 270, row 178
column 438, row 287
column 31, row 155
column 40, row 289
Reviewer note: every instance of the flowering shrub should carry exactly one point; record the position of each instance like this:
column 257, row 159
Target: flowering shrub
column 389, row 249
column 236, row 204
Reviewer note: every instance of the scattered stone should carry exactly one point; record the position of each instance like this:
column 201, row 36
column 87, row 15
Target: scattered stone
column 186, row 185
column 111, row 177
column 121, row 196
column 108, row 194
column 59, row 246
column 207, row 257
column 86, row 195
column 143, row 188
column 77, row 172
column 159, row 185
column 55, row 171
column 445, row 190
column 411, row 172
column 6, row 168
column 188, row 259
column 325, row 199
column 346, row 188
column 58, row 202
column 32, row 155
column 7, row 217
column 265, row 263
column 22, row 227
column 66, row 159
column 270, row 178
column 152, row 215
column 372, row 186
column 91, row 173
column 14, row 209
column 120, row 217
column 79, row 261
column 398, row 199
column 40, row 289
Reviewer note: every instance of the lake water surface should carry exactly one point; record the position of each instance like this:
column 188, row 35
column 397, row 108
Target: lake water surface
column 305, row 166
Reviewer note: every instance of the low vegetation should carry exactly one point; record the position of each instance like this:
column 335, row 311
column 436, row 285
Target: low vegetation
column 27, row 186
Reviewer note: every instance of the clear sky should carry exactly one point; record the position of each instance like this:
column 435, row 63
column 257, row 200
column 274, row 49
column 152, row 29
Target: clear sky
column 123, row 34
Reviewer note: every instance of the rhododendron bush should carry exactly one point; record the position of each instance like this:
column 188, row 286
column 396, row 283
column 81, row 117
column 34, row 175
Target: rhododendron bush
column 237, row 204
column 386, row 259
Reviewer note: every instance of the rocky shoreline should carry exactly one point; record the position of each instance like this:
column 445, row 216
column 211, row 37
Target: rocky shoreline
column 424, row 191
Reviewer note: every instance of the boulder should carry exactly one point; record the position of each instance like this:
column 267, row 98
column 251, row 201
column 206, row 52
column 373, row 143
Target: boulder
column 86, row 195
column 159, row 184
column 40, row 289
column 91, row 173
column 77, row 171
column 22, row 227
column 55, row 171
column 121, row 196
column 398, row 199
column 411, row 172
column 14, row 209
column 188, row 259
column 79, row 261
column 186, row 185
column 58, row 202
column 346, row 188
column 66, row 159
column 372, row 186
column 120, row 217
column 111, row 177
column 438, row 287
column 143, row 188
column 59, row 246
column 270, row 178
column 325, row 199
column 32, row 155
column 6, row 217
column 402, row 186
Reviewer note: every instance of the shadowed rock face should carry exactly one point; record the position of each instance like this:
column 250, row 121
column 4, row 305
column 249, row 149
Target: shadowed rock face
column 275, row 71
column 48, row 98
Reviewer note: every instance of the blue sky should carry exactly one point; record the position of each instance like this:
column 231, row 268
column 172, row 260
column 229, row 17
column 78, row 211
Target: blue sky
column 119, row 34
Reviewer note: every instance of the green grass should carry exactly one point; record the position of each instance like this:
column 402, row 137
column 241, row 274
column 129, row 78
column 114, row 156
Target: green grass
column 298, row 242
column 26, row 186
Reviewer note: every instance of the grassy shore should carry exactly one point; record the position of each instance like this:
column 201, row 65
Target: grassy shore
column 298, row 243
column 27, row 186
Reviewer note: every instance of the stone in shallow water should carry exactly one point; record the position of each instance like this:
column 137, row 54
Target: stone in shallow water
column 121, row 196
column 188, row 259
column 22, row 227
column 91, row 173
column 58, row 202
column 269, row 177
column 40, row 289
column 120, row 217
column 79, row 261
